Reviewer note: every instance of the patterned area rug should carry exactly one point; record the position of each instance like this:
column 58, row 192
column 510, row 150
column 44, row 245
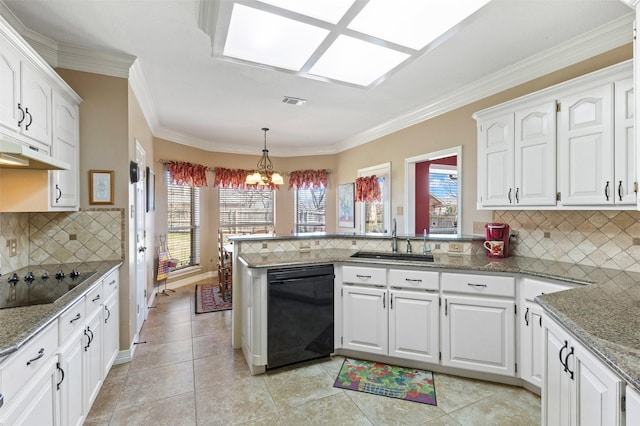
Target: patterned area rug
column 387, row 380
column 208, row 299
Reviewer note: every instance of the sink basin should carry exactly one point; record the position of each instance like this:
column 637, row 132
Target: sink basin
column 393, row 256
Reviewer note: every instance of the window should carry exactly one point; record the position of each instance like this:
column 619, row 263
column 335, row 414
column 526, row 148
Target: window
column 376, row 216
column 183, row 227
column 443, row 199
column 310, row 210
column 246, row 211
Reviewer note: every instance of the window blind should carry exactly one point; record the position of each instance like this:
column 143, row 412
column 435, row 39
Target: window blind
column 310, row 210
column 443, row 201
column 246, row 211
column 183, row 223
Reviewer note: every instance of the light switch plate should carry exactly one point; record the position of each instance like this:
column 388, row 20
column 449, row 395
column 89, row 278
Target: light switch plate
column 455, row 247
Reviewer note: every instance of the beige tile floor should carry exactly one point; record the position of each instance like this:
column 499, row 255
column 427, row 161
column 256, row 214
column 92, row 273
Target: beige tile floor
column 187, row 373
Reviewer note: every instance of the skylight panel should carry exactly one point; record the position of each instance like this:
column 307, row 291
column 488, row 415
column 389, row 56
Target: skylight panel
column 270, row 39
column 326, row 10
column 412, row 23
column 356, row 61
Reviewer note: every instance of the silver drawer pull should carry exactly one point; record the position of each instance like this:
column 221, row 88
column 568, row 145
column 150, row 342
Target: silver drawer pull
column 112, row 282
column 476, row 285
column 412, row 280
column 96, row 298
column 40, row 355
column 363, row 276
column 76, row 318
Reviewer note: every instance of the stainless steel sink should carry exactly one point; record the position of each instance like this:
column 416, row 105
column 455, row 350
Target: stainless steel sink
column 393, row 256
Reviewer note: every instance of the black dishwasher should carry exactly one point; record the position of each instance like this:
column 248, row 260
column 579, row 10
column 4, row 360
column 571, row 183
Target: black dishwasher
column 299, row 314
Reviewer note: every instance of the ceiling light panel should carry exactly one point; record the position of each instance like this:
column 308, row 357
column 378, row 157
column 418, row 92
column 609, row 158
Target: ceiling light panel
column 412, row 23
column 356, row 61
column 270, row 39
column 326, row 10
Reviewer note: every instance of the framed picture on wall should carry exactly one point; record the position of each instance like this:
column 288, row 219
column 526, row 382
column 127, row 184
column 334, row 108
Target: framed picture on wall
column 346, row 206
column 100, row 187
column 151, row 190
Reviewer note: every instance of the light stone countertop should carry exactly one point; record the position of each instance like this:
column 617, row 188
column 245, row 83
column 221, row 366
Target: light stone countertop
column 19, row 325
column 603, row 313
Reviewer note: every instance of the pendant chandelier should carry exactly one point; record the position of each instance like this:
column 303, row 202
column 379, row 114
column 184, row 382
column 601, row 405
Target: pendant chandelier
column 264, row 175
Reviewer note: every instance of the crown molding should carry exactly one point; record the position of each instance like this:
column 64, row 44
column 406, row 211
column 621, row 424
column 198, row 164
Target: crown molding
column 143, row 96
column 631, row 3
column 600, row 40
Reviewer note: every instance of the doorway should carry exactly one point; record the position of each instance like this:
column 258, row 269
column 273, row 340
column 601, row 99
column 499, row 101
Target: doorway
column 432, row 192
column 141, row 247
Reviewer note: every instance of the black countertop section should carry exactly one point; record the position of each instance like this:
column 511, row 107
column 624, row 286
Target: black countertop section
column 20, row 324
column 603, row 313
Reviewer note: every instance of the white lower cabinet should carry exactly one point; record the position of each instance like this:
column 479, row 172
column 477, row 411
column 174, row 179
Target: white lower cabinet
column 633, row 407
column 400, row 321
column 578, row 389
column 531, row 344
column 478, row 323
column 93, row 349
column 29, row 378
column 413, row 325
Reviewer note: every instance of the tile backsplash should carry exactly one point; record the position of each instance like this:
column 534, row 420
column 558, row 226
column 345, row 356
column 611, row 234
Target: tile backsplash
column 609, row 239
column 61, row 237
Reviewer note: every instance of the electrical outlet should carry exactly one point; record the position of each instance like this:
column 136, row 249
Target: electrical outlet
column 455, row 247
column 13, row 247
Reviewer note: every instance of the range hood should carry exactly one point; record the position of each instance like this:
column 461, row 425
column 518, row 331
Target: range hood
column 17, row 157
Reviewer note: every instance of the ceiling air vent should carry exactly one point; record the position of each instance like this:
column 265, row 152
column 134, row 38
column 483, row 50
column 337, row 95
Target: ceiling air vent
column 293, row 101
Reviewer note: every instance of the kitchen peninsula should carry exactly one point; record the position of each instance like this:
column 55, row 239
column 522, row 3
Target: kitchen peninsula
column 597, row 309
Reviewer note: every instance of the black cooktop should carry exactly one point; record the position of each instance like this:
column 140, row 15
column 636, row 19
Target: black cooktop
column 39, row 285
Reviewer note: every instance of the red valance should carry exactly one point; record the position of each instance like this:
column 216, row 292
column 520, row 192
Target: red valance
column 367, row 189
column 235, row 179
column 182, row 173
column 308, row 179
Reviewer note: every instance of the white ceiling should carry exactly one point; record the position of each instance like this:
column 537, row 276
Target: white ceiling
column 193, row 98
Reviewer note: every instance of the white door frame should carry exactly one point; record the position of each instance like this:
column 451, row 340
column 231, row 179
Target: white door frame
column 140, row 238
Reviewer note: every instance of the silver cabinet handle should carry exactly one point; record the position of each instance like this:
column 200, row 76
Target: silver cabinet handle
column 108, row 314
column 40, row 355
column 112, row 282
column 409, row 280
column 59, row 193
column 509, row 195
column 384, row 297
column 477, row 285
column 96, row 298
column 606, row 191
column 620, row 190
column 74, row 319
column 363, row 276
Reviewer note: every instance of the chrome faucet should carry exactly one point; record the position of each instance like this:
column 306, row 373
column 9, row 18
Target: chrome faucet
column 394, row 238
column 425, row 248
column 409, row 249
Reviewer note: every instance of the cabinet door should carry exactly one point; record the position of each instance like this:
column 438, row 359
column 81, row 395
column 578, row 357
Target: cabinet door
column 556, row 390
column 535, row 155
column 38, row 404
column 625, row 144
column 364, row 317
column 93, row 351
column 111, row 332
column 64, row 184
column 479, row 334
column 9, row 86
column 597, row 393
column 413, row 325
column 72, row 397
column 495, row 161
column 532, row 344
column 633, row 407
column 586, row 147
column 35, row 95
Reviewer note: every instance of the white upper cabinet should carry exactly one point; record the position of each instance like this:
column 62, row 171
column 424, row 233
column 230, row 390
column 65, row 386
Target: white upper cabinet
column 517, row 157
column 35, row 105
column 9, row 86
column 569, row 146
column 64, row 187
column 586, row 147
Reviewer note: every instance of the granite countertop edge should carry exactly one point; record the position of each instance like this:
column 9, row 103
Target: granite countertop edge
column 597, row 312
column 19, row 325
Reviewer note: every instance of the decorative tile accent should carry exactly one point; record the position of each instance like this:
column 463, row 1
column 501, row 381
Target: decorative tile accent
column 46, row 238
column 595, row 238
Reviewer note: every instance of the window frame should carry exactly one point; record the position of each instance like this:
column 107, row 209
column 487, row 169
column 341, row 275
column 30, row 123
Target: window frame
column 249, row 227
column 193, row 227
column 296, row 213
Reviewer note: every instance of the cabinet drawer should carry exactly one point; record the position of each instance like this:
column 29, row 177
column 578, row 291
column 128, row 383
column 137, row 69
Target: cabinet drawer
column 111, row 283
column 94, row 298
column 479, row 284
column 27, row 361
column 428, row 280
column 530, row 288
column 71, row 320
column 364, row 275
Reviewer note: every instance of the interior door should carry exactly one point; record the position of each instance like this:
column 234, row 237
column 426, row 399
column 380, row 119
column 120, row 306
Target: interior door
column 141, row 302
